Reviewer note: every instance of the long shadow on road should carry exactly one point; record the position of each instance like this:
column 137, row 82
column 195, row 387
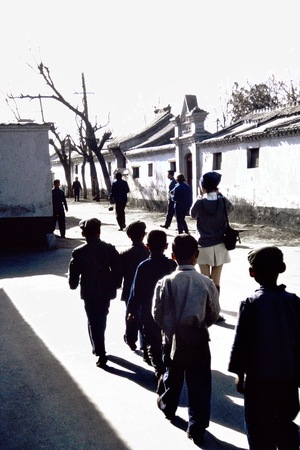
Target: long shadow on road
column 41, row 406
column 143, row 377
column 26, row 264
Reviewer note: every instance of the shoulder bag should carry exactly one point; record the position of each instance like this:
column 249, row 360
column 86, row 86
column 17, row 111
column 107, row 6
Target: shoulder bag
column 231, row 236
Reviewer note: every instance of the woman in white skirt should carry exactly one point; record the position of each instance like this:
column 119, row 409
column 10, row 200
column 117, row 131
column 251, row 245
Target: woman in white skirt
column 209, row 210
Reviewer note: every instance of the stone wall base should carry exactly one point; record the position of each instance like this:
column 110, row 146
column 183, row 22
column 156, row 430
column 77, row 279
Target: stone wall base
column 267, row 216
column 243, row 213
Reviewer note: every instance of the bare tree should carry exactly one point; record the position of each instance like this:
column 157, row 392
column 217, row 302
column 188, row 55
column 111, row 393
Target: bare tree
column 87, row 156
column 63, row 150
column 93, row 144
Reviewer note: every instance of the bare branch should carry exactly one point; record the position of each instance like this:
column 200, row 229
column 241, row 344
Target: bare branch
column 14, row 111
column 90, row 138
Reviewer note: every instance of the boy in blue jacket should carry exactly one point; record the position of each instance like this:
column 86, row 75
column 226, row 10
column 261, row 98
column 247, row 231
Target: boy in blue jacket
column 140, row 301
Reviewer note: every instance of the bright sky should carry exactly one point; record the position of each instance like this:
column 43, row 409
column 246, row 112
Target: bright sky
column 138, row 54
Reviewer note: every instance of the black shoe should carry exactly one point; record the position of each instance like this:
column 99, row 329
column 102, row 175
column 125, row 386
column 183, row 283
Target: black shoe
column 169, row 415
column 196, row 437
column 160, row 388
column 164, row 226
column 102, row 360
column 131, row 345
column 221, row 319
column 146, row 358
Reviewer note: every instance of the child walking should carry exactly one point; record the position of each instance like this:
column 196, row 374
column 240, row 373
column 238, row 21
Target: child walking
column 186, row 303
column 140, row 301
column 131, row 258
column 266, row 356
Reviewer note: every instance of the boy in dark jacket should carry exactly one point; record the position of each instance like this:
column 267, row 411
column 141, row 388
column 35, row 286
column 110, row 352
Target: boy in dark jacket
column 140, row 301
column 97, row 266
column 266, row 355
column 131, row 258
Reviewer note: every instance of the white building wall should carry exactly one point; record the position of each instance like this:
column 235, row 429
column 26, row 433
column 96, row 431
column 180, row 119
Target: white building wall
column 58, row 173
column 143, row 188
column 275, row 183
column 149, row 187
column 25, row 177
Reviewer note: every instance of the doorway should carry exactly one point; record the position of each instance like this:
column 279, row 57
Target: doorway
column 189, row 169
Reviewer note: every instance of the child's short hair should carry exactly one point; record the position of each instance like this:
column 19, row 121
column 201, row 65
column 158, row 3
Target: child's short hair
column 184, row 246
column 157, row 241
column 266, row 260
column 136, row 230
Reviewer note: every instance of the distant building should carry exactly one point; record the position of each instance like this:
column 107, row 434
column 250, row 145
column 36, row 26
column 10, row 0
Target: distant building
column 167, row 143
column 258, row 157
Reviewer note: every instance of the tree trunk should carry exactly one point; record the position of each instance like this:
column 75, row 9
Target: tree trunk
column 84, row 188
column 92, row 145
column 104, row 170
column 94, row 181
column 66, row 167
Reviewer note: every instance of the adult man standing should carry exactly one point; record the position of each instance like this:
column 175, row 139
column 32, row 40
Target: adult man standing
column 118, row 195
column 183, row 198
column 97, row 265
column 59, row 204
column 171, row 204
column 76, row 189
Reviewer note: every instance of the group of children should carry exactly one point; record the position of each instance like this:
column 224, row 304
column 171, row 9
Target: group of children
column 172, row 305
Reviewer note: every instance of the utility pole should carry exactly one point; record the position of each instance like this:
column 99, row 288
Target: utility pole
column 94, row 179
column 95, row 184
column 85, row 105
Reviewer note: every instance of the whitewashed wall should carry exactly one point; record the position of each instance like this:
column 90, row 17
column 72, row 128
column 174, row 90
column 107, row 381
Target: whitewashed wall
column 275, row 183
column 150, row 188
column 25, row 176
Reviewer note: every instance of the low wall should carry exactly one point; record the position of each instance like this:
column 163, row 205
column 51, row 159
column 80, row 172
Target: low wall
column 25, row 232
column 243, row 213
column 268, row 216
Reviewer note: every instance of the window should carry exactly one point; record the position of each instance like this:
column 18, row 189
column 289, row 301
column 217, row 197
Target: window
column 76, row 169
column 252, row 158
column 150, row 170
column 109, row 168
column 135, row 172
column 217, row 161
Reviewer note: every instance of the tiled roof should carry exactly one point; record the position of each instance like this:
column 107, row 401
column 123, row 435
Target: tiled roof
column 259, row 124
column 162, row 137
column 157, row 127
column 24, row 124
